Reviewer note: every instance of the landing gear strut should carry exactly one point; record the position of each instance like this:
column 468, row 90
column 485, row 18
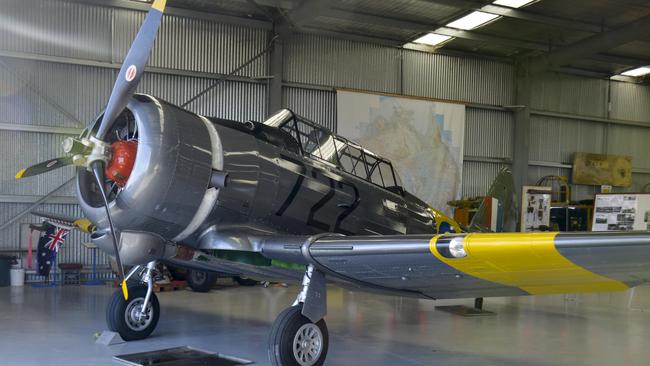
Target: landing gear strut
column 299, row 335
column 136, row 317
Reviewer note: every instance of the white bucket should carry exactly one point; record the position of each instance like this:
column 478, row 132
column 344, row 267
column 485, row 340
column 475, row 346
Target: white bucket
column 18, row 263
column 17, row 277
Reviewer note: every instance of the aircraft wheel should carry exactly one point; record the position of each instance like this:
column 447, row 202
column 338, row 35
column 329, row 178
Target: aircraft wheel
column 177, row 273
column 124, row 317
column 245, row 281
column 296, row 341
column 201, row 281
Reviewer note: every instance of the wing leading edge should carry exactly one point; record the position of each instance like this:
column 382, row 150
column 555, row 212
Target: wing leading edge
column 478, row 264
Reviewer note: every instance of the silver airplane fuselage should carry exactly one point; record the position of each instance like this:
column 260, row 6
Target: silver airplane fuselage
column 272, row 189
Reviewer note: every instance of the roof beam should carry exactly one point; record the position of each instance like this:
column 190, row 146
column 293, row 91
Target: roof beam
column 379, row 20
column 505, row 11
column 214, row 17
column 353, row 37
column 620, row 60
column 474, row 36
column 521, row 14
column 423, row 27
column 592, row 45
column 469, row 35
column 308, row 10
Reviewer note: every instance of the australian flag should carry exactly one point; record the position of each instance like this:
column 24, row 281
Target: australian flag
column 48, row 245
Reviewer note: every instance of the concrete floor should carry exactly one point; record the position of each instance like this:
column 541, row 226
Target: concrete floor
column 56, row 327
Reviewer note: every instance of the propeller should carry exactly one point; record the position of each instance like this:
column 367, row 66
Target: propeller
column 44, row 167
column 132, row 68
column 95, row 151
column 81, row 224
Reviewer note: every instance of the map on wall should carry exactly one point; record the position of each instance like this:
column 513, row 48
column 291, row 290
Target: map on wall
column 422, row 138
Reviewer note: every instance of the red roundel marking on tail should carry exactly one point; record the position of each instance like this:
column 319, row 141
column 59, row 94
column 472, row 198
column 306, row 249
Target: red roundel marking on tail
column 130, row 73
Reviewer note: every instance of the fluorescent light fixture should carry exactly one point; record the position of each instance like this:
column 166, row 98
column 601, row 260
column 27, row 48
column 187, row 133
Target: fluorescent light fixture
column 639, row 71
column 513, row 3
column 432, row 39
column 472, row 20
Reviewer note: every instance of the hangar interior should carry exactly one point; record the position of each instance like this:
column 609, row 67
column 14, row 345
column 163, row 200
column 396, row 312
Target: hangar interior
column 539, row 83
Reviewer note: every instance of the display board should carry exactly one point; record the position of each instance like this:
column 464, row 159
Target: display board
column 535, row 208
column 422, row 138
column 621, row 212
column 598, row 169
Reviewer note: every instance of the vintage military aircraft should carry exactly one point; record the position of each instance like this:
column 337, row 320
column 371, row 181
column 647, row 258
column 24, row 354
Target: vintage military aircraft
column 287, row 199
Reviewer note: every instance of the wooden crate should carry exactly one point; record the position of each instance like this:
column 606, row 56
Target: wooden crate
column 171, row 286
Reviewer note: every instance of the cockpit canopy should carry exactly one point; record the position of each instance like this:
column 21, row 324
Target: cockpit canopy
column 320, row 143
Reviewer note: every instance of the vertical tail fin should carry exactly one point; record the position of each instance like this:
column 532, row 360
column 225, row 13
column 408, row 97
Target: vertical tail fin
column 497, row 212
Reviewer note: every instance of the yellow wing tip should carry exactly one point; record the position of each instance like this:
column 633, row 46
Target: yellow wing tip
column 125, row 290
column 20, row 173
column 159, row 5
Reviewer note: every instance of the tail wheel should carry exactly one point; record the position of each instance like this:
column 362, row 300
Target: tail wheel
column 201, row 281
column 127, row 318
column 296, row 341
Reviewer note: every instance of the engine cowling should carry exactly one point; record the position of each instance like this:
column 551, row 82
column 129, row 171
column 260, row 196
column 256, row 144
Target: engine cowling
column 168, row 188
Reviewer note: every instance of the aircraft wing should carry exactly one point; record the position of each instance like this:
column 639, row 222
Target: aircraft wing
column 477, row 264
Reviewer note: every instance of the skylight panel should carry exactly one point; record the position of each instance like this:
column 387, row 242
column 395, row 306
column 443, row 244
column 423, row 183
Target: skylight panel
column 639, row 71
column 432, row 39
column 472, row 20
column 513, row 3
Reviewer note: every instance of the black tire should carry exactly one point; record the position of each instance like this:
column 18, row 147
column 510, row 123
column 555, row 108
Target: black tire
column 200, row 281
column 177, row 273
column 116, row 314
column 245, row 281
column 284, row 335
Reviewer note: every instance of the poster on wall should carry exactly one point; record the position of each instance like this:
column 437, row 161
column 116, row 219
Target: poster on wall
column 422, row 138
column 535, row 209
column 621, row 212
column 598, row 169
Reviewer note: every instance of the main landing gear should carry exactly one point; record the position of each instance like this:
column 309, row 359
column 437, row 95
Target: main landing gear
column 136, row 317
column 299, row 334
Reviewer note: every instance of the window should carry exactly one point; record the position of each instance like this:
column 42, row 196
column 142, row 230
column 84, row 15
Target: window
column 318, row 142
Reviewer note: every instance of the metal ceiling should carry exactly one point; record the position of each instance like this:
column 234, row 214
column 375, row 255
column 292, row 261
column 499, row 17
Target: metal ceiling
column 553, row 34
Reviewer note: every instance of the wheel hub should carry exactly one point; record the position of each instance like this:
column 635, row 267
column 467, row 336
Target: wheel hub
column 199, row 277
column 308, row 344
column 136, row 319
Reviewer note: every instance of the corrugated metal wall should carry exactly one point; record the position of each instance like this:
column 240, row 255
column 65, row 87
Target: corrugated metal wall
column 631, row 141
column 630, row 102
column 488, row 133
column 463, row 79
column 588, row 102
column 317, row 105
column 555, row 139
column 339, row 63
column 569, row 94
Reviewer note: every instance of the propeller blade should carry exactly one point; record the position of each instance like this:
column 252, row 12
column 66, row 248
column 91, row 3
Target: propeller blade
column 44, row 167
column 81, row 224
column 132, row 68
column 98, row 171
